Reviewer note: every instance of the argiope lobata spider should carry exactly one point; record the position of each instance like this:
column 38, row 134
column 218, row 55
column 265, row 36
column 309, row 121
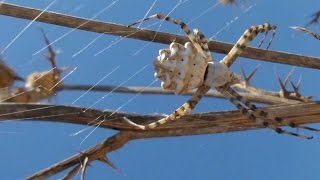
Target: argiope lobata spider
column 190, row 66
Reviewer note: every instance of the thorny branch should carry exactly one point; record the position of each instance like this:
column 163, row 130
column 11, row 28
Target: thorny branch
column 194, row 124
column 148, row 35
column 249, row 92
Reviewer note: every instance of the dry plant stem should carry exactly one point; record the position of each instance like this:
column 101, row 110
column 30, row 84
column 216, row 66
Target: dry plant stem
column 197, row 124
column 95, row 153
column 252, row 93
column 148, row 35
column 194, row 124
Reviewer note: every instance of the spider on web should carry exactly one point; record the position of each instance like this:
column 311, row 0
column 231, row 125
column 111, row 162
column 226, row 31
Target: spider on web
column 182, row 68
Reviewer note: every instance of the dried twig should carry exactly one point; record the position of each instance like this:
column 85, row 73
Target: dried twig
column 148, row 35
column 205, row 123
column 251, row 93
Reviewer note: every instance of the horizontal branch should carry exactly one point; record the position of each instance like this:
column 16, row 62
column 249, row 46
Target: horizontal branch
column 268, row 97
column 148, row 35
column 204, row 123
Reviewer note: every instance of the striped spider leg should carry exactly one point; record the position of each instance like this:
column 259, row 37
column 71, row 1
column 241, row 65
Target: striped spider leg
column 245, row 39
column 182, row 68
column 246, row 107
column 262, row 117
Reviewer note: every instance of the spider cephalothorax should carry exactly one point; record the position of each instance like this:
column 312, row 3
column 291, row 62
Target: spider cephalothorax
column 182, row 68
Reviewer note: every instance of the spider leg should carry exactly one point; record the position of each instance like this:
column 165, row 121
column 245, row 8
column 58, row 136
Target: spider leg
column 244, row 40
column 178, row 113
column 263, row 38
column 267, row 115
column 204, row 43
column 252, row 112
column 182, row 25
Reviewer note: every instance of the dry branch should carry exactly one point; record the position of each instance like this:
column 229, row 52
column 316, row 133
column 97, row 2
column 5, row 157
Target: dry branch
column 259, row 95
column 97, row 152
column 148, row 35
column 205, row 123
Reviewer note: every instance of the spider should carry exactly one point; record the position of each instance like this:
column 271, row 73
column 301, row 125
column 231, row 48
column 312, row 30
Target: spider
column 190, row 66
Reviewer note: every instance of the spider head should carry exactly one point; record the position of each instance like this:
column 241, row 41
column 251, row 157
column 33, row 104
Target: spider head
column 180, row 67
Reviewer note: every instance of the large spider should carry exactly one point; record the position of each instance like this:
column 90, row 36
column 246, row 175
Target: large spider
column 190, row 66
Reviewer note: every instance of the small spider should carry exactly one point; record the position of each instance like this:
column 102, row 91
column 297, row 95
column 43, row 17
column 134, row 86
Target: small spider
column 190, row 66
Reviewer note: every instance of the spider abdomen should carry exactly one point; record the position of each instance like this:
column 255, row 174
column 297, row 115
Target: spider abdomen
column 180, row 68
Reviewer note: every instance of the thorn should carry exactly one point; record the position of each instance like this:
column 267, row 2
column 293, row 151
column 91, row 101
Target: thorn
column 84, row 166
column 73, row 172
column 105, row 160
column 295, row 88
column 253, row 72
column 282, row 86
column 134, row 124
column 315, row 19
column 299, row 82
column 52, row 54
column 244, row 76
column 288, row 76
column 248, row 78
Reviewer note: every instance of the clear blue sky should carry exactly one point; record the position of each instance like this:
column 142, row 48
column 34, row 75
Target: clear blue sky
column 259, row 154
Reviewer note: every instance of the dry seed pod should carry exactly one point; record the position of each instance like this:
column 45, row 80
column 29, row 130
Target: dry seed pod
column 20, row 95
column 7, row 76
column 45, row 83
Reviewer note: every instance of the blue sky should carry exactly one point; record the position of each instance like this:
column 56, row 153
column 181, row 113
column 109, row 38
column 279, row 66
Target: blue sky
column 258, row 154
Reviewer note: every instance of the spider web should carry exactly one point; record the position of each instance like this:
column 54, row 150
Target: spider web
column 98, row 59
